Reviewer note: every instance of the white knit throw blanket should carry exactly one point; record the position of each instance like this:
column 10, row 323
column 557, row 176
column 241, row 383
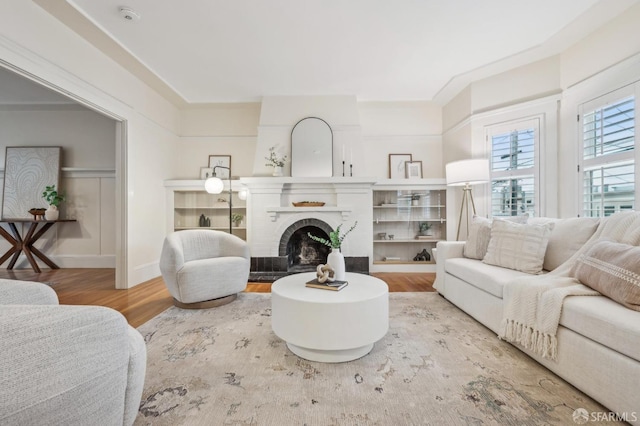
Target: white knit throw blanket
column 533, row 305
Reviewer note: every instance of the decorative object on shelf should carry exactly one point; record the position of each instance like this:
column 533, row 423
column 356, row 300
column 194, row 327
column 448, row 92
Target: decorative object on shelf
column 467, row 173
column 391, row 236
column 424, row 228
column 415, row 199
column 308, row 204
column 335, row 258
column 38, row 213
column 275, row 161
column 222, row 161
column 397, row 165
column 422, row 256
column 413, row 169
column 325, row 273
column 204, row 222
column 54, row 198
column 214, row 185
column 205, row 173
column 382, row 235
column 236, row 218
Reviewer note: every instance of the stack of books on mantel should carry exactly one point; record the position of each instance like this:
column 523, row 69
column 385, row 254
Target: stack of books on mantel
column 333, row 285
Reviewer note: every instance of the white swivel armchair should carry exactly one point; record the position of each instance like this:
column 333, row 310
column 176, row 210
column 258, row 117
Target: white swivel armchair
column 203, row 268
column 66, row 365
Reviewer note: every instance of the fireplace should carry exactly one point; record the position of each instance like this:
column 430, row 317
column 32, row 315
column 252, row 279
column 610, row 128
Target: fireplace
column 304, row 254
column 278, row 230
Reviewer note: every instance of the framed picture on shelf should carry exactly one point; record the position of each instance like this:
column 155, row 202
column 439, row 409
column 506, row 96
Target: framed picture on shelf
column 206, row 173
column 397, row 165
column 221, row 160
column 413, row 169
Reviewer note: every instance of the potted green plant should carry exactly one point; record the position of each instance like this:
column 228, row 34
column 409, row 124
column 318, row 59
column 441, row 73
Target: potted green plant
column 236, row 218
column 335, row 258
column 275, row 161
column 424, row 228
column 54, row 198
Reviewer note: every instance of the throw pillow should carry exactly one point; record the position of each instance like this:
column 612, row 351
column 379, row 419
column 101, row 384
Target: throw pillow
column 518, row 246
column 612, row 269
column 478, row 239
column 480, row 234
column 568, row 236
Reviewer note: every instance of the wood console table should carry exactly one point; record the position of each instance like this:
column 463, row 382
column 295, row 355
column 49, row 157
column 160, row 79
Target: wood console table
column 25, row 244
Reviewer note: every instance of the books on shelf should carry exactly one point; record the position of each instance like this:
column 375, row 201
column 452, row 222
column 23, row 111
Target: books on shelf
column 334, row 285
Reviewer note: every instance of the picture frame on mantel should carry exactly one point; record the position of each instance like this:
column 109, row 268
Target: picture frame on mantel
column 413, row 169
column 397, row 168
column 220, row 160
column 206, row 173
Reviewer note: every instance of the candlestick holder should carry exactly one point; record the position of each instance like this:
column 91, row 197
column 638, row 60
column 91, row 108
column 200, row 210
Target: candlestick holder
column 342, row 168
column 351, row 170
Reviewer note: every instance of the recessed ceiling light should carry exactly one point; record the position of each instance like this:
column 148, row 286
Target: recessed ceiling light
column 129, row 14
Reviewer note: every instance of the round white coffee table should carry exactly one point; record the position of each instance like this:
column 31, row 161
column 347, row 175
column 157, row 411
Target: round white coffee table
column 330, row 326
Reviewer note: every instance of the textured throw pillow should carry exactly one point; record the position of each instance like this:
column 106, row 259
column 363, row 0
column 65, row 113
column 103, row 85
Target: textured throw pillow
column 480, row 234
column 612, row 269
column 478, row 239
column 568, row 236
column 518, row 246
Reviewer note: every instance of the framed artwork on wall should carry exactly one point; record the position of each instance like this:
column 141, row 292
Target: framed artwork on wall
column 220, row 160
column 413, row 169
column 396, row 165
column 27, row 171
column 206, row 172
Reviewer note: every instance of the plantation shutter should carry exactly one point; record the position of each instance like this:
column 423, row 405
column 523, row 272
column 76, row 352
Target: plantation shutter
column 608, row 157
column 514, row 168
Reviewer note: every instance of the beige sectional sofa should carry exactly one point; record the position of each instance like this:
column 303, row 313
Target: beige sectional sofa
column 598, row 339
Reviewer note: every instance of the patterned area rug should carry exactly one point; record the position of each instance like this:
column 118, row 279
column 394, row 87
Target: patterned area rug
column 435, row 366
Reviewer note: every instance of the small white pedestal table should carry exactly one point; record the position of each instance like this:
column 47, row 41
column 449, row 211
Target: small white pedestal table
column 330, row 326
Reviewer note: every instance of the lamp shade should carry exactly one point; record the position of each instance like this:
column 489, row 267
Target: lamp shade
column 242, row 194
column 213, row 185
column 467, row 172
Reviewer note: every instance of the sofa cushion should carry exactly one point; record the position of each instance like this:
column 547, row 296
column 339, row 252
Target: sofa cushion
column 567, row 237
column 612, row 269
column 478, row 274
column 517, row 246
column 604, row 321
column 480, row 234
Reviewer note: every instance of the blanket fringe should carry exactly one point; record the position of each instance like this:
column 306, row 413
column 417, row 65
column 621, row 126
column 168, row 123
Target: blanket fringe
column 543, row 344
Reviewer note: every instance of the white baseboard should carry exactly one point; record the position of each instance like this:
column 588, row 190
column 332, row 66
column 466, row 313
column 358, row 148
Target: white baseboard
column 144, row 272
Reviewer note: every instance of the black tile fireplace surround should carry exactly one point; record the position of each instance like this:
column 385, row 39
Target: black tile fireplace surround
column 269, row 269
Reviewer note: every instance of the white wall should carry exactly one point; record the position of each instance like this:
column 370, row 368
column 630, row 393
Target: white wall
column 33, row 42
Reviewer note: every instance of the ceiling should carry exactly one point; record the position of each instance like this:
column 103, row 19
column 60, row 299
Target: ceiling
column 208, row 51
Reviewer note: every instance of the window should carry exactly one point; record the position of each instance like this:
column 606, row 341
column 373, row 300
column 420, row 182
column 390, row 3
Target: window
column 514, row 154
column 608, row 154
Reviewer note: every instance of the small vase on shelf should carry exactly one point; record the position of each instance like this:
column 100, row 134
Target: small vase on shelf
column 335, row 259
column 277, row 171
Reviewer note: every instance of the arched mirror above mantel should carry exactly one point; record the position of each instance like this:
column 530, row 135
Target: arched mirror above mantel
column 312, row 148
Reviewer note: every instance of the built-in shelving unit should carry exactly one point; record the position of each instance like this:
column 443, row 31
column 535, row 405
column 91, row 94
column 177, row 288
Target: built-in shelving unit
column 190, row 202
column 408, row 221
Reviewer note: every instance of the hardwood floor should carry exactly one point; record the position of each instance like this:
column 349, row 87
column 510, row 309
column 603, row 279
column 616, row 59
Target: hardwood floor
column 144, row 301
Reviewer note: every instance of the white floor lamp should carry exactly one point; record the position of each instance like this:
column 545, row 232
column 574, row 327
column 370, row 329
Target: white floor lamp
column 467, row 173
